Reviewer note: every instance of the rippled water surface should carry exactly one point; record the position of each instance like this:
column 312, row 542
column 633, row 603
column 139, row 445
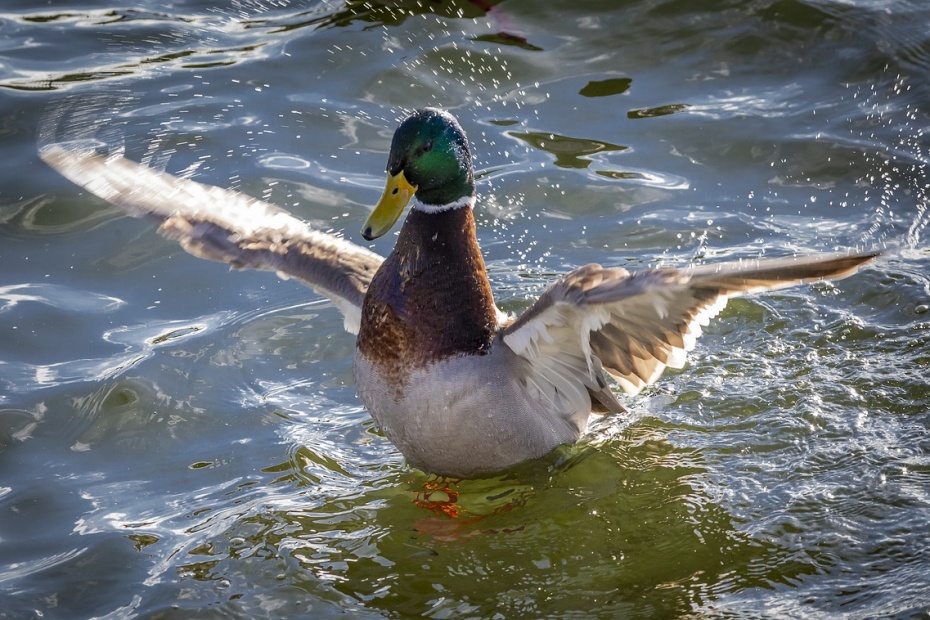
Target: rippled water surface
column 180, row 441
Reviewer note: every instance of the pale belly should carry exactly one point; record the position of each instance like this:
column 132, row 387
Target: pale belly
column 466, row 415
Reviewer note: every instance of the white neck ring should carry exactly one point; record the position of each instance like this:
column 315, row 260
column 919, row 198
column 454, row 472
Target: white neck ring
column 464, row 201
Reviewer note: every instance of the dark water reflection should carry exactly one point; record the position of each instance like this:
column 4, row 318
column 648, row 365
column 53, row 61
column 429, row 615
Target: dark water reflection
column 177, row 440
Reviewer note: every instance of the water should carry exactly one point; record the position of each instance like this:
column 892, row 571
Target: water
column 177, row 440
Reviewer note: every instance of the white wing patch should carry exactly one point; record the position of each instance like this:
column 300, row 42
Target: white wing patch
column 558, row 350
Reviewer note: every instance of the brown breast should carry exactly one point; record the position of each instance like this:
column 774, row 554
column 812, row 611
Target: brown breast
column 430, row 298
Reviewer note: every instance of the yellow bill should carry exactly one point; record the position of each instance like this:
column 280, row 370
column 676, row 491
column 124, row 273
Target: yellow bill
column 397, row 193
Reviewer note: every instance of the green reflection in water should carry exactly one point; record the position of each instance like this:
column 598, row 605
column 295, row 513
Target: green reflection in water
column 606, row 88
column 395, row 13
column 624, row 527
column 569, row 152
column 620, row 175
column 505, row 38
column 665, row 110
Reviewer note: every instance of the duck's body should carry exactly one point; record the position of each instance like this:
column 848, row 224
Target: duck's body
column 460, row 389
column 505, row 423
column 430, row 364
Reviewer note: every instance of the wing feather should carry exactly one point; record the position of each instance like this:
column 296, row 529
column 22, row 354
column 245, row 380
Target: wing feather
column 224, row 225
column 633, row 326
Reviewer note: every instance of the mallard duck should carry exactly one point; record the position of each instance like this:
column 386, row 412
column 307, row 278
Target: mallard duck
column 459, row 387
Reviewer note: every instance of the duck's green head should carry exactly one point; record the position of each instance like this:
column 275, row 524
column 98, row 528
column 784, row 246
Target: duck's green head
column 429, row 159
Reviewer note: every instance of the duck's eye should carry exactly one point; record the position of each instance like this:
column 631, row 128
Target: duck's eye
column 427, row 146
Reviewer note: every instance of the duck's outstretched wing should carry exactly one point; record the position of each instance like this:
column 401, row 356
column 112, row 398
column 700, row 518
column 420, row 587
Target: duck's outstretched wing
column 224, row 225
column 632, row 326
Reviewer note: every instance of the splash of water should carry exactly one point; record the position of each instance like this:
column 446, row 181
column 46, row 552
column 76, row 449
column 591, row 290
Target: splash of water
column 895, row 125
